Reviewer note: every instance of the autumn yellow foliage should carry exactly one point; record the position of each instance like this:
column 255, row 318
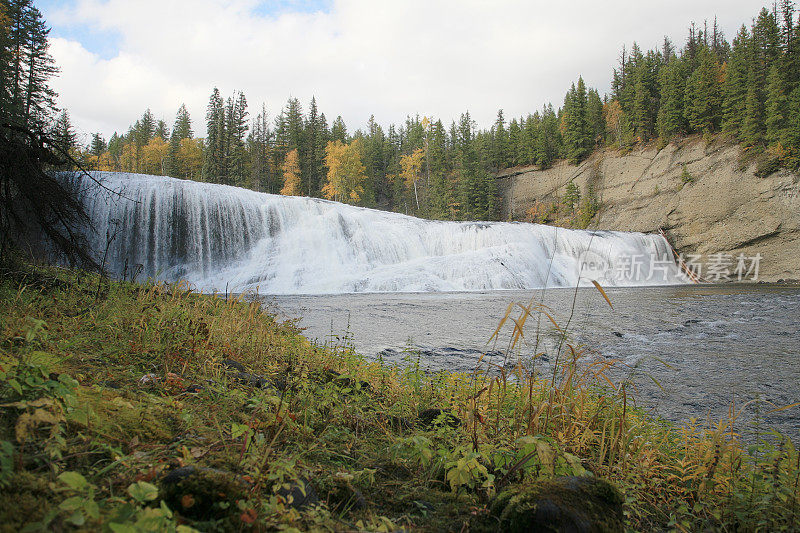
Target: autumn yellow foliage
column 346, row 172
column 291, row 174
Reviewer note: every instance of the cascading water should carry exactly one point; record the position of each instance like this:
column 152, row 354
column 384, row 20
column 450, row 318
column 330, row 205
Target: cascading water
column 218, row 237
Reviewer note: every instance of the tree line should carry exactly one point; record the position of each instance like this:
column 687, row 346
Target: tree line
column 748, row 89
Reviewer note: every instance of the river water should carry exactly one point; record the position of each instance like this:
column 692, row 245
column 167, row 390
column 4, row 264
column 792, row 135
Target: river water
column 707, row 346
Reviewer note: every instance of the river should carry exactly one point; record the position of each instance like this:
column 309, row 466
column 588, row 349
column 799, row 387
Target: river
column 707, row 346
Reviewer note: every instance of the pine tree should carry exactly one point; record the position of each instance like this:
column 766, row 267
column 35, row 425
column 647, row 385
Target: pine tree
column 577, row 138
column 314, row 138
column 793, row 129
column 339, row 130
column 26, row 100
column 146, row 128
column 670, row 120
column 703, row 94
column 776, row 110
column 181, row 129
column 752, row 130
column 735, row 87
column 375, row 159
column 98, row 145
column 64, row 134
column 213, row 159
column 259, row 151
column 516, row 141
column 643, row 109
column 161, row 130
column 572, row 196
column 237, row 128
column 548, row 140
column 594, row 117
column 499, row 142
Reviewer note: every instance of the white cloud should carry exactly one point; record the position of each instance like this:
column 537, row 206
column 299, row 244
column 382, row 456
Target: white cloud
column 362, row 57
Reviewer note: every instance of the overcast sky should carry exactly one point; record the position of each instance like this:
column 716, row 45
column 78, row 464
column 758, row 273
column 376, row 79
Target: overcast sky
column 358, row 57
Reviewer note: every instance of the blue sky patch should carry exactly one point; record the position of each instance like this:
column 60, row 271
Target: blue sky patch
column 104, row 43
column 276, row 7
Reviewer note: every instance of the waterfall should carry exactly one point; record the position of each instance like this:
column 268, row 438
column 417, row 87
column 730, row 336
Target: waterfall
column 219, row 237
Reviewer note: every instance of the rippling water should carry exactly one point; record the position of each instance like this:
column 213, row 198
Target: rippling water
column 724, row 344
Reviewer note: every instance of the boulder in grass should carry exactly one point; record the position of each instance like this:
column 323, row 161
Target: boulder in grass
column 572, row 504
column 197, row 492
column 298, row 494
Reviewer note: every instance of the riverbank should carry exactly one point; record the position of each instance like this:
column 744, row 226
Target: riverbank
column 128, row 407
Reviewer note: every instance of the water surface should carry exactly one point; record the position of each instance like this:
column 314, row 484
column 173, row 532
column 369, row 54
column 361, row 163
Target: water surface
column 724, row 344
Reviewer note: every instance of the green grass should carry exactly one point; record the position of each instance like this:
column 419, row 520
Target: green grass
column 94, row 412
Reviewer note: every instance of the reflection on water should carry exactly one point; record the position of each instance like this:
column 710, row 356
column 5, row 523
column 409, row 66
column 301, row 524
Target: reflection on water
column 707, row 346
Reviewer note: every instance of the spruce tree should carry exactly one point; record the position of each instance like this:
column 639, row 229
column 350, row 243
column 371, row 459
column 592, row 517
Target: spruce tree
column 670, row 120
column 548, row 140
column 577, row 138
column 752, row 130
column 499, row 158
column 703, row 94
column 237, row 128
column 26, row 100
column 98, row 145
column 734, row 90
column 338, row 130
column 596, row 122
column 314, row 150
column 259, row 150
column 776, row 110
column 213, row 157
column 64, row 134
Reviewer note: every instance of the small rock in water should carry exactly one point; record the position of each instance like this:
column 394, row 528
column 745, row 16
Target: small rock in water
column 432, row 417
column 617, row 333
column 573, row 503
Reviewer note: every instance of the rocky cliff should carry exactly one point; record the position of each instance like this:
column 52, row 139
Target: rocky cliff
column 700, row 194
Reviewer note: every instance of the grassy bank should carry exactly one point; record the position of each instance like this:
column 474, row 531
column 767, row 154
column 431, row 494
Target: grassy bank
column 147, row 407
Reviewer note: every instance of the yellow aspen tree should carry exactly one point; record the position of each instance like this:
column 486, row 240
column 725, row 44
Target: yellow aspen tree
column 189, row 158
column 153, row 155
column 411, row 170
column 291, row 174
column 128, row 158
column 346, row 172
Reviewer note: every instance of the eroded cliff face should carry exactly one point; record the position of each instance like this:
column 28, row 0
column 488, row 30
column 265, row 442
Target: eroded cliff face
column 695, row 192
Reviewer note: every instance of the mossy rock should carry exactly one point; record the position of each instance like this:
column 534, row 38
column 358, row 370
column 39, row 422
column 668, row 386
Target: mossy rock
column 565, row 504
column 202, row 493
column 345, row 498
column 298, row 494
column 125, row 416
column 26, row 500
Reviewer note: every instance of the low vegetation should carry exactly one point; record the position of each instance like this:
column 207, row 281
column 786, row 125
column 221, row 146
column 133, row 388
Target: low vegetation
column 129, row 407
